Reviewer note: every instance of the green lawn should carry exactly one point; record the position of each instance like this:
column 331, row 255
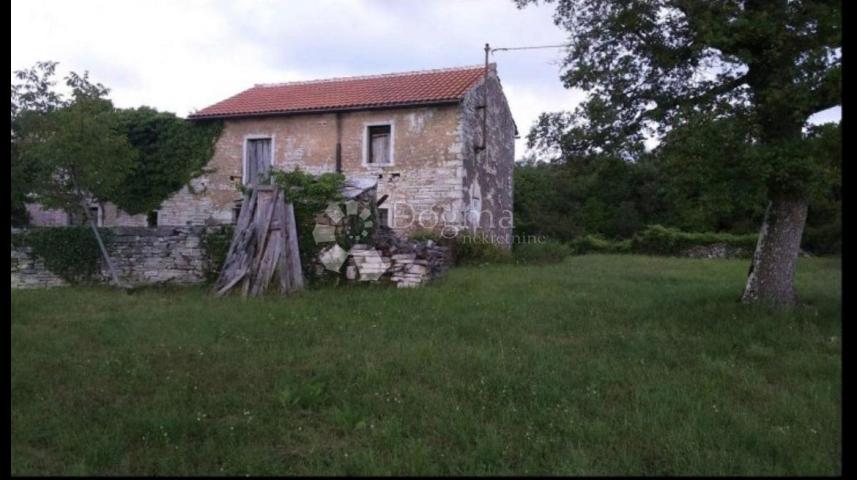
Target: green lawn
column 599, row 365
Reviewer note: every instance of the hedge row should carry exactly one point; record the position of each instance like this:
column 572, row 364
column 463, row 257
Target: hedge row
column 660, row 240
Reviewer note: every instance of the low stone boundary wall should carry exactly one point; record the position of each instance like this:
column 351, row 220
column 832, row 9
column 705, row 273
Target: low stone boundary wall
column 144, row 255
column 141, row 256
column 28, row 271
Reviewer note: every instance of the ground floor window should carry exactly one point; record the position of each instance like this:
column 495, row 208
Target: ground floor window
column 384, row 217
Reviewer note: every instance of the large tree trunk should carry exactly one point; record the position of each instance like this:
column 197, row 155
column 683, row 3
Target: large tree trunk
column 772, row 273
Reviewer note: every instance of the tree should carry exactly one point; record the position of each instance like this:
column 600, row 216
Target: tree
column 32, row 97
column 73, row 144
column 708, row 178
column 651, row 65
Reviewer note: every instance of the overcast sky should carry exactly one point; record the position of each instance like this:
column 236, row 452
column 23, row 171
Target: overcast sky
column 184, row 55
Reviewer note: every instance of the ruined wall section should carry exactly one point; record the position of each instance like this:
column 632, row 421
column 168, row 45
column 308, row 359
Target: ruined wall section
column 111, row 215
column 487, row 186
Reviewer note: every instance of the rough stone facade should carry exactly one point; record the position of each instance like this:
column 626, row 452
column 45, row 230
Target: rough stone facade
column 438, row 176
column 487, row 188
column 141, row 256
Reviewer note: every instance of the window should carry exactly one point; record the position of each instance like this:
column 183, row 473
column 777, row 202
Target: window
column 152, row 218
column 258, row 157
column 379, row 145
column 95, row 213
column 77, row 219
column 384, row 217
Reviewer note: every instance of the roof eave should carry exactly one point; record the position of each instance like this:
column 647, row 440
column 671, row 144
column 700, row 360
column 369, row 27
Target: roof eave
column 278, row 113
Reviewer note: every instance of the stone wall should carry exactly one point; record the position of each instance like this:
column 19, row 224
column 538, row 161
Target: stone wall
column 141, row 256
column 423, row 182
column 157, row 255
column 28, row 271
column 487, row 187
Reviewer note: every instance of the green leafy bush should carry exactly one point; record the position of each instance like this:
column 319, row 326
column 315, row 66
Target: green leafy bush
column 470, row 249
column 70, row 252
column 425, row 234
column 597, row 244
column 550, row 251
column 310, row 195
column 660, row 240
column 215, row 244
column 824, row 239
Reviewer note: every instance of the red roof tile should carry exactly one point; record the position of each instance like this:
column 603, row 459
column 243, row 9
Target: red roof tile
column 349, row 93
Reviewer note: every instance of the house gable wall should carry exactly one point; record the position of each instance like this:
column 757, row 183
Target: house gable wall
column 487, row 186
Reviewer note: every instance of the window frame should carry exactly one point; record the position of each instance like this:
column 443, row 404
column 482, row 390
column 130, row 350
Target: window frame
column 367, row 145
column 256, row 136
column 389, row 216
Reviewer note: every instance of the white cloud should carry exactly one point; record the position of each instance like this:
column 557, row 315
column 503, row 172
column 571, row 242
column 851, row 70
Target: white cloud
column 181, row 56
column 185, row 55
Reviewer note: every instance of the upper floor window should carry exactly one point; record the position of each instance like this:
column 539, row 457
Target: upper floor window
column 379, row 145
column 258, row 158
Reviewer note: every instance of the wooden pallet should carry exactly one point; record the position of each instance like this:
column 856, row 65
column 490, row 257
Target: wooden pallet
column 265, row 242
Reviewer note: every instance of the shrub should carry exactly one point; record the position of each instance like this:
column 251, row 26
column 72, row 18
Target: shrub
column 470, row 249
column 550, row 251
column 70, row 252
column 598, row 244
column 425, row 234
column 823, row 240
column 660, row 240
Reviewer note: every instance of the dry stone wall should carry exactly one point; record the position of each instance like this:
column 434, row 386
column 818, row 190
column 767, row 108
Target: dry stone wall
column 141, row 255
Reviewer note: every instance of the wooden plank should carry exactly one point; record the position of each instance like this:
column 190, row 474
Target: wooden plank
column 266, row 214
column 244, row 217
column 293, row 259
column 264, row 243
column 283, row 264
column 269, row 261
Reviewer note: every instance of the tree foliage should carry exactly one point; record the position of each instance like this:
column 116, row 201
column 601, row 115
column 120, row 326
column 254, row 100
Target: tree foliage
column 71, row 146
column 650, row 66
column 170, row 153
column 65, row 147
column 701, row 178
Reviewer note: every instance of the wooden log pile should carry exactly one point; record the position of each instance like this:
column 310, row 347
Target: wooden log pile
column 264, row 247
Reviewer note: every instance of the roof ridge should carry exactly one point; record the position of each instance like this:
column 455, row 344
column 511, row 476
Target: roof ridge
column 366, row 77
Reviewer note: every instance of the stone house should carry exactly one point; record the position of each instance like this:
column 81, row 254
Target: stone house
column 419, row 135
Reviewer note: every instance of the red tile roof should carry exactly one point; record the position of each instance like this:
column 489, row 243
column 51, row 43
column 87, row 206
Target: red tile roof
column 349, row 93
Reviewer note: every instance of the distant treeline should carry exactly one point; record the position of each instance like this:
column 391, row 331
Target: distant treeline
column 705, row 180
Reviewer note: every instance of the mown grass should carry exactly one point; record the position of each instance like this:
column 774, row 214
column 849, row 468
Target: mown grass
column 597, row 365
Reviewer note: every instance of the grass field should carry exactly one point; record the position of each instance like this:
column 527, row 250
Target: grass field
column 598, row 365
